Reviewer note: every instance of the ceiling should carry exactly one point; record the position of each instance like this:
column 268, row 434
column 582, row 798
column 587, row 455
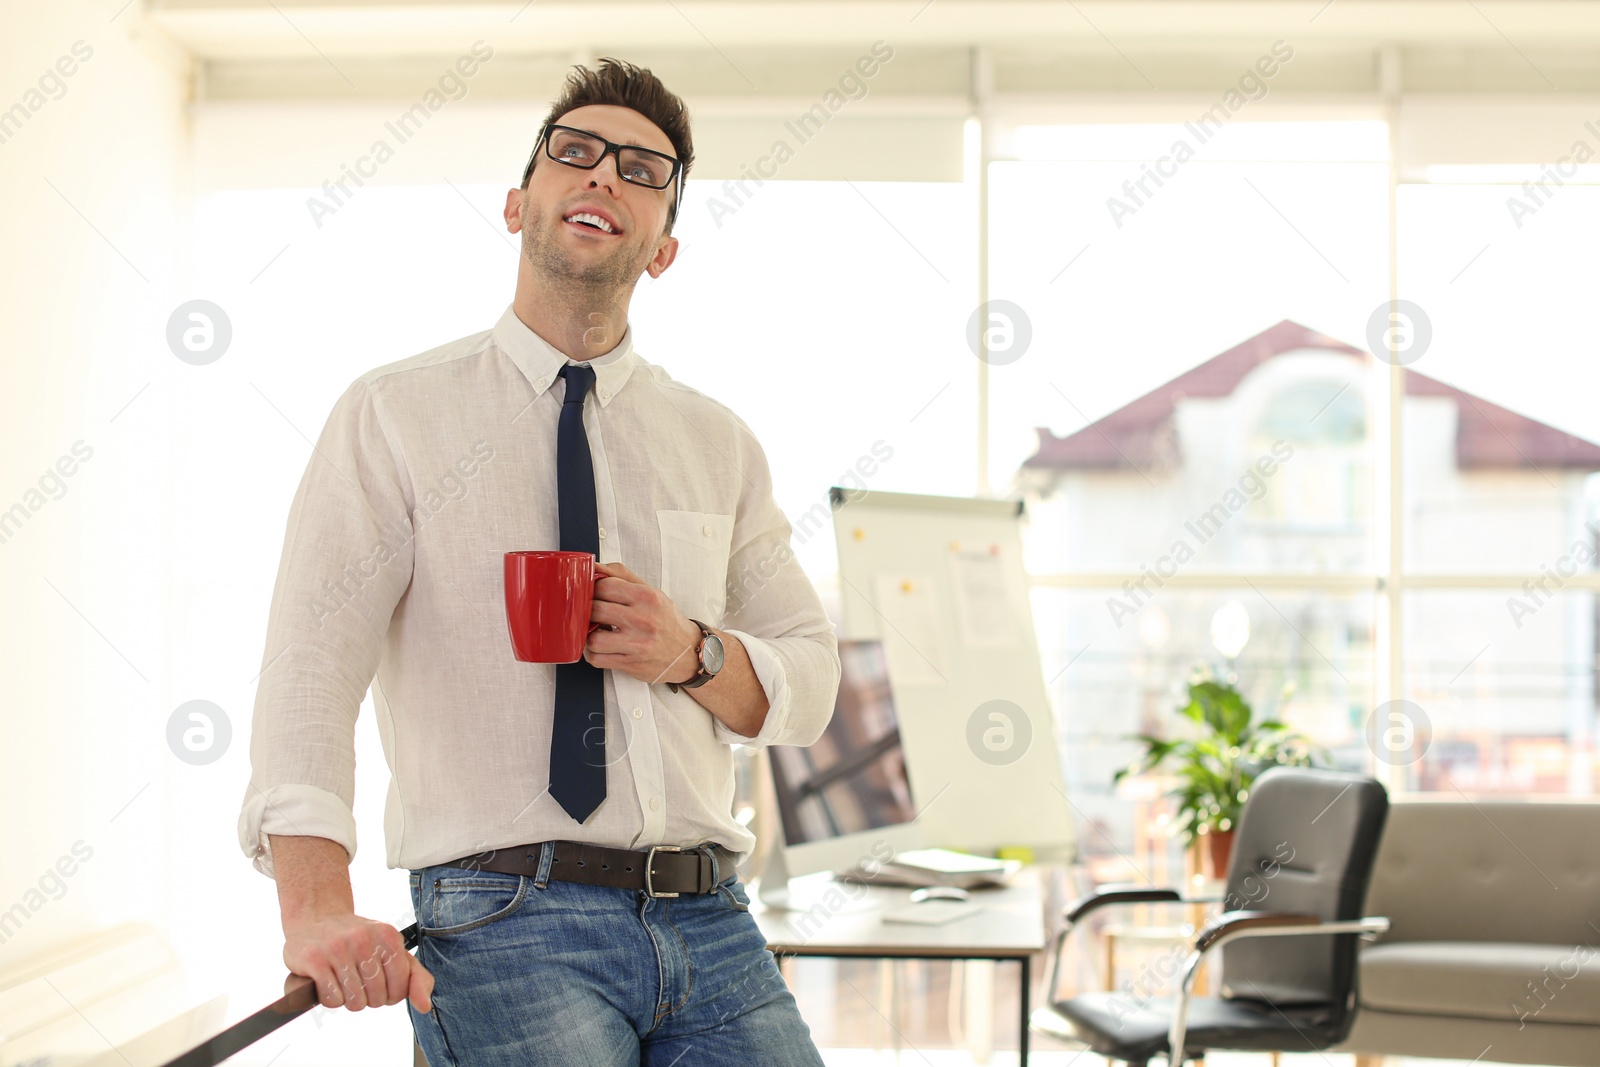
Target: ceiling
column 732, row 48
column 1476, row 81
column 223, row 28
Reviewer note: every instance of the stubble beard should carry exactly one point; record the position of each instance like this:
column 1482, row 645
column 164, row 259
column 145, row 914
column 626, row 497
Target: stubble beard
column 597, row 279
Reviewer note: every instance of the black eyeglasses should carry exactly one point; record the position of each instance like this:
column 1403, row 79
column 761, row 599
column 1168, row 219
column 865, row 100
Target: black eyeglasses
column 584, row 150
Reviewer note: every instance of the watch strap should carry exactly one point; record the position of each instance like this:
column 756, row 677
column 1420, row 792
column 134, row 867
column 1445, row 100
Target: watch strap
column 701, row 675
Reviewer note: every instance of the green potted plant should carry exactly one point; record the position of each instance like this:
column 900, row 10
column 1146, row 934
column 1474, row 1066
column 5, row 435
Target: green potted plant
column 1217, row 760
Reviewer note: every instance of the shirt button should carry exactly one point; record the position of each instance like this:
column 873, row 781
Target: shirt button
column 707, row 531
column 638, row 713
column 602, row 532
column 655, row 803
column 605, row 394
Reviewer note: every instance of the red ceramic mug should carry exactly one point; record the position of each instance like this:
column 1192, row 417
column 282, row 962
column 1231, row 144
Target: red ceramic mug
column 549, row 596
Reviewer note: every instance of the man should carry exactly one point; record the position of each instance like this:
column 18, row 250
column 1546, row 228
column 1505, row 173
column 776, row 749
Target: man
column 535, row 805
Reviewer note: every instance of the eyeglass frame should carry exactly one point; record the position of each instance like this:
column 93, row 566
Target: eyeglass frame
column 611, row 149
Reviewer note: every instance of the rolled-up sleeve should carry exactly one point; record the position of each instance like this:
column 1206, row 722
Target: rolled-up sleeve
column 347, row 560
column 775, row 612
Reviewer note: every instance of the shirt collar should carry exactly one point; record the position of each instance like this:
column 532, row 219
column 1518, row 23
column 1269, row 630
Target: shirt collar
column 541, row 362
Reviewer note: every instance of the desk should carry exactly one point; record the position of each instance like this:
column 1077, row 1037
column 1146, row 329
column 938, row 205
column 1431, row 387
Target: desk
column 840, row 919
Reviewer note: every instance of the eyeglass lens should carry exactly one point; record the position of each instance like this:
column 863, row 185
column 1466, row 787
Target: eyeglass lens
column 638, row 165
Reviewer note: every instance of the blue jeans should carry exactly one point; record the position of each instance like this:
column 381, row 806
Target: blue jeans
column 571, row 975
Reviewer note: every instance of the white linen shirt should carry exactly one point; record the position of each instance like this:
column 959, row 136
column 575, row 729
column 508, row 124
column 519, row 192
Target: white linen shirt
column 427, row 472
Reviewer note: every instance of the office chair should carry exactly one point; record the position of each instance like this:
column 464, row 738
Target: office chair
column 1302, row 858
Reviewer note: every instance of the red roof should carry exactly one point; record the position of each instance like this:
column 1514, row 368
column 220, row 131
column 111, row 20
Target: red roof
column 1140, row 434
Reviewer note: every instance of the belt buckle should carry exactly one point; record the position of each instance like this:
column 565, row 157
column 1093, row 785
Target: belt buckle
column 649, row 864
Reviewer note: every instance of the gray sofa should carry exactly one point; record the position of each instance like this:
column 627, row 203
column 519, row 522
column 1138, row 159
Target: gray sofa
column 1494, row 951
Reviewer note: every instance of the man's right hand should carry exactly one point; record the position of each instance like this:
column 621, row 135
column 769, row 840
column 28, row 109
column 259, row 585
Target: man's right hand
column 356, row 962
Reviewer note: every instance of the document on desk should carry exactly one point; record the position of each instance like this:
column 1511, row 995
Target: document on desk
column 931, row 912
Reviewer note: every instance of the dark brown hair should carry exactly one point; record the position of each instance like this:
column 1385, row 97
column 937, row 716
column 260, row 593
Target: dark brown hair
column 622, row 84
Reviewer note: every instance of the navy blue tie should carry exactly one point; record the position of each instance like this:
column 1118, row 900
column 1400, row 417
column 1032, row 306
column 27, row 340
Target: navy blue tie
column 578, row 734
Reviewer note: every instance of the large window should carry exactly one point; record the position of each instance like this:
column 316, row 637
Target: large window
column 1200, row 418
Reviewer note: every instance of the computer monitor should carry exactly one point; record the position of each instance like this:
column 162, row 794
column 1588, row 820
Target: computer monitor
column 845, row 801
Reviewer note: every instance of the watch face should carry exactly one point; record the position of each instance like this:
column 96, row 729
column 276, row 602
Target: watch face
column 711, row 653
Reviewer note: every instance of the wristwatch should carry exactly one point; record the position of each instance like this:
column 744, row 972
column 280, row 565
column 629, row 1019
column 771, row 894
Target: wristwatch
column 709, row 654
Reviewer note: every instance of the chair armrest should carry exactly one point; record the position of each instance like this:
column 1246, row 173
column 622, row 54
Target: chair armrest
column 1126, row 893
column 1233, row 925
column 1119, row 894
column 1112, row 893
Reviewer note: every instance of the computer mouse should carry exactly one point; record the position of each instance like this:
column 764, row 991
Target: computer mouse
column 938, row 892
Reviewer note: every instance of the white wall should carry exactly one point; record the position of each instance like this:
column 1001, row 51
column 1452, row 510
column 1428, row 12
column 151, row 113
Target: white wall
column 90, row 182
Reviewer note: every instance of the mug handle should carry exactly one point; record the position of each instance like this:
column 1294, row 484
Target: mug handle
column 594, row 576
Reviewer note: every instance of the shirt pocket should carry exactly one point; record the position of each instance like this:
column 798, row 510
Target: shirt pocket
column 694, row 561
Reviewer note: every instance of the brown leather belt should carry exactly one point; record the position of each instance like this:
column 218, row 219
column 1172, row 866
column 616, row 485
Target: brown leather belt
column 661, row 871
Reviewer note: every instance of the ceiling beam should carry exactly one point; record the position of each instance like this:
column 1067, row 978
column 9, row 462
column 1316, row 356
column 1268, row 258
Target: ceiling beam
column 295, row 28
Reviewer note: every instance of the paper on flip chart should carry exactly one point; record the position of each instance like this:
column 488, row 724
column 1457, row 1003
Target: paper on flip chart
column 982, row 600
column 913, row 638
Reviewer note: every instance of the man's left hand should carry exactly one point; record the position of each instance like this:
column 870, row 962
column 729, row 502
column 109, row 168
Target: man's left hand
column 643, row 634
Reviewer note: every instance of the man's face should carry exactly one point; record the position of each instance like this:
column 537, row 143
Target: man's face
column 579, row 252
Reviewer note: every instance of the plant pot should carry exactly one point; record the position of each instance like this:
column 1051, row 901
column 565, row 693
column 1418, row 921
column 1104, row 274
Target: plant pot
column 1218, row 853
